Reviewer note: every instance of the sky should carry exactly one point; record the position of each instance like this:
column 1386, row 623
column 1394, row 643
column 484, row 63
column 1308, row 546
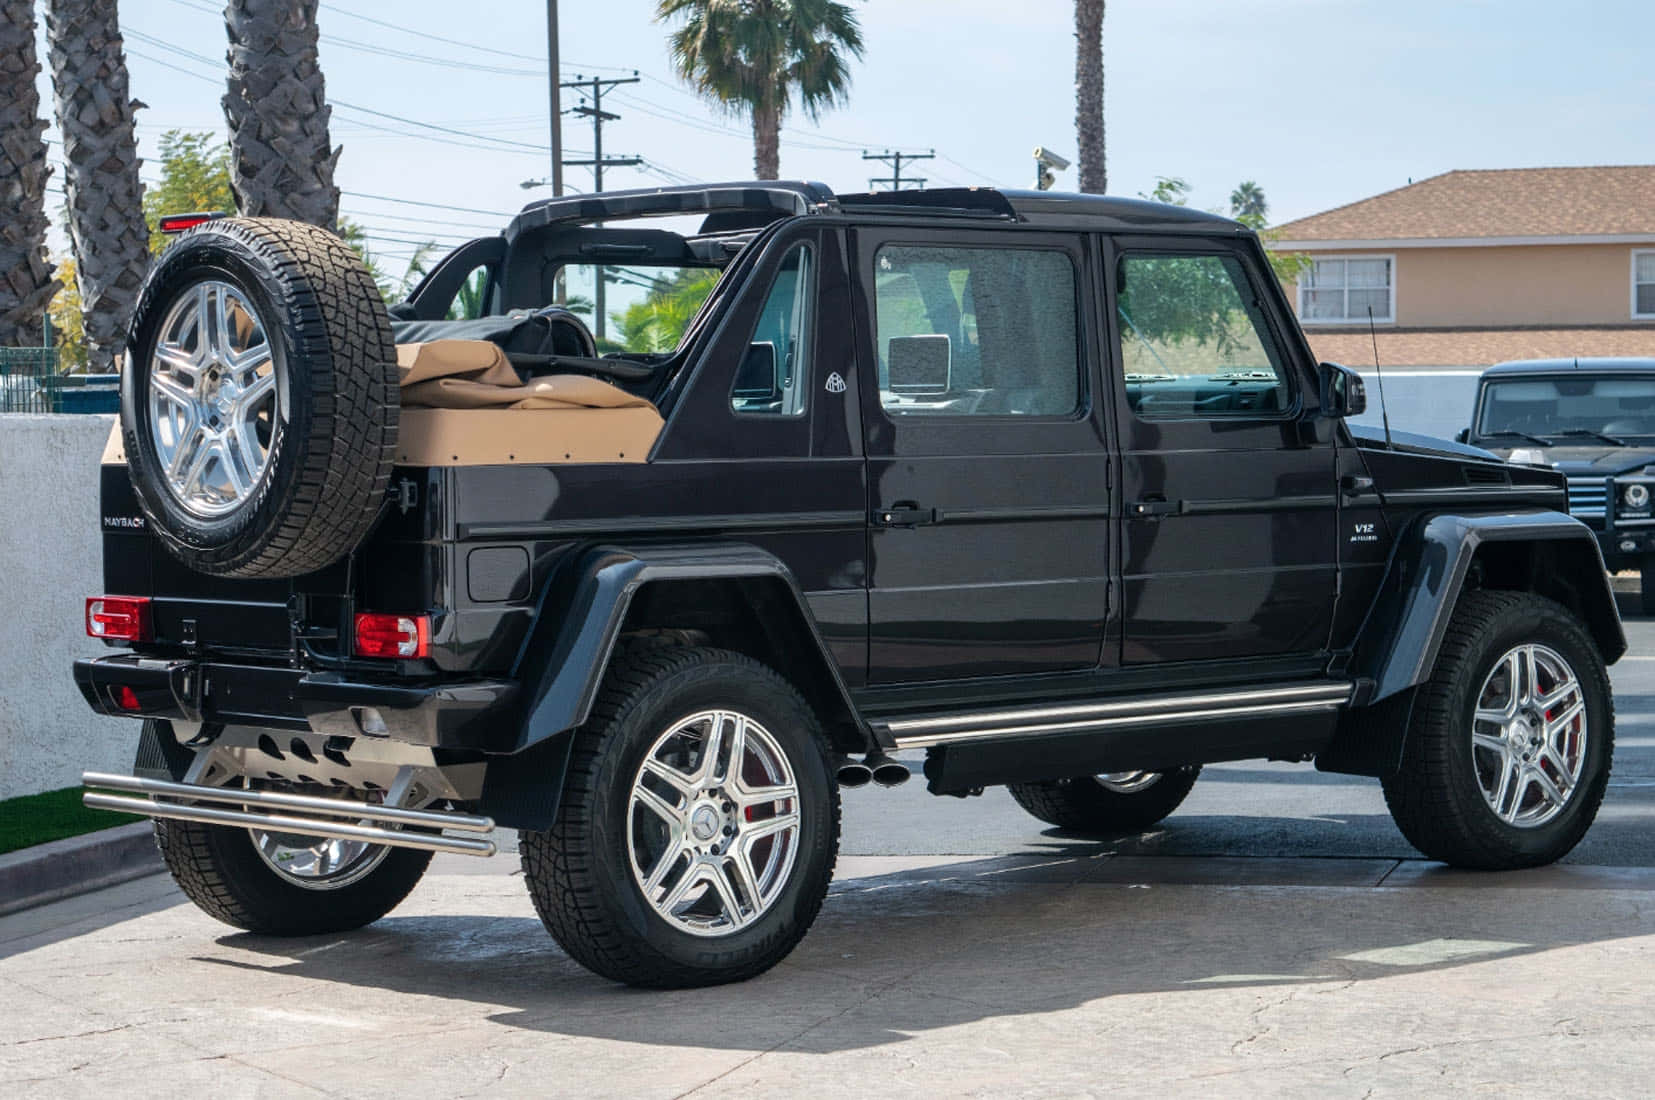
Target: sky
column 1322, row 102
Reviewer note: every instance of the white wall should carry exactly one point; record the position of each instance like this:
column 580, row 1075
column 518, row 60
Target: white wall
column 50, row 561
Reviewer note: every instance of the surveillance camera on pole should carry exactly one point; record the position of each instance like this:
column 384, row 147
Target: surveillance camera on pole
column 1046, row 163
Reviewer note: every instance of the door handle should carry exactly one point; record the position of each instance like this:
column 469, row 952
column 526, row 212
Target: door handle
column 904, row 513
column 1154, row 506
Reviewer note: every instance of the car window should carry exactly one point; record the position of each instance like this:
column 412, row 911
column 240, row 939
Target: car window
column 770, row 380
column 470, row 301
column 1194, row 344
column 976, row 331
column 1580, row 404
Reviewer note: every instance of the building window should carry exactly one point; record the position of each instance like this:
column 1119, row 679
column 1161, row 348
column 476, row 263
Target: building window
column 1342, row 289
column 1643, row 284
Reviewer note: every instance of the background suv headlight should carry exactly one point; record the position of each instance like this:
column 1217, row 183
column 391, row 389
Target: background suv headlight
column 1636, row 497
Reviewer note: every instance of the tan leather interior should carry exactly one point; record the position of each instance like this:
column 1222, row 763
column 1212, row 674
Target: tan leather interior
column 464, row 405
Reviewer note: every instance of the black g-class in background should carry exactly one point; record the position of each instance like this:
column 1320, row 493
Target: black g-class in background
column 1047, row 486
column 1592, row 420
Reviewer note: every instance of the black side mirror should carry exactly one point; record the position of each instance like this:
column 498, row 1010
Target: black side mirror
column 1463, row 436
column 756, row 380
column 1343, row 391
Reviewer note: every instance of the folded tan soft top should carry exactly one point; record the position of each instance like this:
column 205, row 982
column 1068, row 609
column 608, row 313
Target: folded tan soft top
column 464, row 405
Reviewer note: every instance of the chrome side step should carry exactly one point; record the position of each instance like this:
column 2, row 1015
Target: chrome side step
column 306, row 815
column 1000, row 725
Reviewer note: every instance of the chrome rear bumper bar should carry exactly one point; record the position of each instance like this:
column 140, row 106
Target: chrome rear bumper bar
column 305, row 815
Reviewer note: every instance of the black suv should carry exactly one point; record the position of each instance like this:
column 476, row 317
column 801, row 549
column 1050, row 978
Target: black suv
column 1592, row 420
column 1048, row 486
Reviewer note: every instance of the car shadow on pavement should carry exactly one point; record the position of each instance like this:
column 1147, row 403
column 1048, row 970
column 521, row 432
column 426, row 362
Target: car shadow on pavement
column 960, row 942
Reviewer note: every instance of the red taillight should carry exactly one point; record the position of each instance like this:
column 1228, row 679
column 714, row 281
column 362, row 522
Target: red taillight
column 177, row 223
column 379, row 635
column 119, row 618
column 126, row 698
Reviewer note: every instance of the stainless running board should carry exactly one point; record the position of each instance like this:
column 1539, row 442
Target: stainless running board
column 306, row 815
column 919, row 733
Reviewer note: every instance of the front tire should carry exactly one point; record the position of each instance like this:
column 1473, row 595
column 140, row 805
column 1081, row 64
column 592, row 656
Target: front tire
column 696, row 837
column 1103, row 805
column 223, row 870
column 1509, row 747
column 1646, row 587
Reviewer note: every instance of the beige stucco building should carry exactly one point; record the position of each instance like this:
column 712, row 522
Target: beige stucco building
column 1476, row 267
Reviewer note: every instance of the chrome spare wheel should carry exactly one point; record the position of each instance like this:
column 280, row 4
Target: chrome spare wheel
column 1128, row 782
column 1528, row 736
column 713, row 823
column 317, row 863
column 213, row 399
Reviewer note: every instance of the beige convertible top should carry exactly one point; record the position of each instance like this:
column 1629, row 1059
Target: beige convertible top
column 463, row 404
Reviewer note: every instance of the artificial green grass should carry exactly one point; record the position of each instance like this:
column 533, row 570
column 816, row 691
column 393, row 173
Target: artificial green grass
column 36, row 818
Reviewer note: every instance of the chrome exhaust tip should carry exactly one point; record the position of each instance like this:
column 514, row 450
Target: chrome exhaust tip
column 854, row 773
column 887, row 772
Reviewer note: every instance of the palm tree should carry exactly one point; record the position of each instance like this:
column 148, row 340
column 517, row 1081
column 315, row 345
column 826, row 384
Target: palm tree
column 1248, row 204
column 1094, row 171
column 751, row 56
column 281, row 159
column 26, row 283
column 106, row 198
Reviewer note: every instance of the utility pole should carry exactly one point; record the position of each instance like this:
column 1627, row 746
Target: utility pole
column 596, row 88
column 555, row 81
column 896, row 160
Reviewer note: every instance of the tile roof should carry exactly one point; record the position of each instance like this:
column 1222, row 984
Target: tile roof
column 1506, row 202
column 1478, row 347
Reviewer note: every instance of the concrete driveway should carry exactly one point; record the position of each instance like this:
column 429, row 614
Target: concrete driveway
column 1276, row 938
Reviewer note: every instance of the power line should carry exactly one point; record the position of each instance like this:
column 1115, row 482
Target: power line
column 895, row 161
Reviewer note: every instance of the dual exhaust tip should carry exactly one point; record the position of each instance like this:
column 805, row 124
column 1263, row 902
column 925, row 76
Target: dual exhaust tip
column 876, row 768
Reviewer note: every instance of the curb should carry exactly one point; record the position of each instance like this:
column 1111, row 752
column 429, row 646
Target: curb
column 77, row 865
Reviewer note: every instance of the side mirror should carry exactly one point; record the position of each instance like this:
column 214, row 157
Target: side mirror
column 1343, row 391
column 1463, row 436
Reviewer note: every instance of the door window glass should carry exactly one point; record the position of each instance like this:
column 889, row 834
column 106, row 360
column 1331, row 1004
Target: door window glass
column 1194, row 344
column 976, row 331
column 771, row 378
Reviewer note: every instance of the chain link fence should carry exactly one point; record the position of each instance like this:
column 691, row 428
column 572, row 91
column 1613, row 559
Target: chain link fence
column 30, row 382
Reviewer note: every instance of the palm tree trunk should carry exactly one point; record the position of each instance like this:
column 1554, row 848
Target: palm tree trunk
column 281, row 159
column 26, row 283
column 1094, row 175
column 106, row 198
column 767, row 142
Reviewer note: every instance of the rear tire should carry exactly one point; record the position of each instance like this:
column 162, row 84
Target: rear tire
column 260, row 401
column 1454, row 760
column 1091, row 804
column 627, row 879
column 219, row 868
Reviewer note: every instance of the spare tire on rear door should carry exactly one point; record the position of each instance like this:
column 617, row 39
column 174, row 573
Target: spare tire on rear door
column 259, row 403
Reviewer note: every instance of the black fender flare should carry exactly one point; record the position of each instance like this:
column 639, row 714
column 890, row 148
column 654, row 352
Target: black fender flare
column 1547, row 552
column 584, row 610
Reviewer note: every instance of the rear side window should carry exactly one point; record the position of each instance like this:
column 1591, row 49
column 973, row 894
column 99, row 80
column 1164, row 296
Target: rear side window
column 1194, row 344
column 976, row 331
column 772, row 377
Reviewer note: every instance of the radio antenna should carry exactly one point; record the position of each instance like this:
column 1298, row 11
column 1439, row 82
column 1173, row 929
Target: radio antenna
column 1379, row 376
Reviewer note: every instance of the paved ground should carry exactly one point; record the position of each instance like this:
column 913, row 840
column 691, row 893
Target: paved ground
column 1276, row 937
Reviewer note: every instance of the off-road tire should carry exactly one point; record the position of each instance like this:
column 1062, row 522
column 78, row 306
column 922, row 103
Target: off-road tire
column 578, row 871
column 218, row 868
column 1435, row 798
column 1646, row 586
column 334, row 442
column 1083, row 805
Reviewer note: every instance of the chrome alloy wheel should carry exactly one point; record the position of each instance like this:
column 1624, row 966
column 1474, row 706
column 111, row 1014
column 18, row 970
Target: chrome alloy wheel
column 317, row 863
column 1128, row 782
column 213, row 399
column 713, row 825
column 1528, row 736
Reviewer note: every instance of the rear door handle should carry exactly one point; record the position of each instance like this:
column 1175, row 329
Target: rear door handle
column 1154, row 506
column 904, row 513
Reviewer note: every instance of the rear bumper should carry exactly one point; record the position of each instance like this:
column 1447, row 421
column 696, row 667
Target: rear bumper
column 465, row 715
